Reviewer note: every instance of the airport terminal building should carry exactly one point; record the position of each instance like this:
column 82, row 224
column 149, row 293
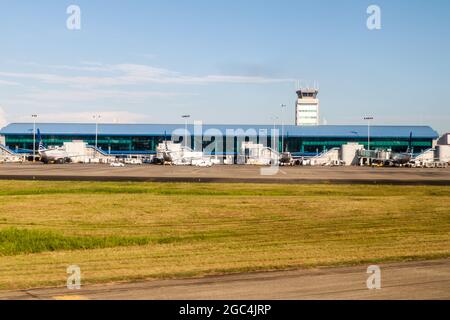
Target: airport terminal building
column 129, row 139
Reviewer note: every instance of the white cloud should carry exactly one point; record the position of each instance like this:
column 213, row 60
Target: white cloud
column 8, row 83
column 131, row 74
column 3, row 121
column 73, row 95
column 47, row 89
column 86, row 117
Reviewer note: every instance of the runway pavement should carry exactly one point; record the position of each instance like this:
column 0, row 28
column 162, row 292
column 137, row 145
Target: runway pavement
column 354, row 175
column 410, row 280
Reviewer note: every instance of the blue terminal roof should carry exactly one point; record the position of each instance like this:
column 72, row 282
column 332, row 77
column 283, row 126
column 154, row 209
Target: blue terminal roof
column 335, row 131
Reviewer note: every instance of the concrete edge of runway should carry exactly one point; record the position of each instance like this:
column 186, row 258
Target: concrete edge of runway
column 404, row 182
column 422, row 279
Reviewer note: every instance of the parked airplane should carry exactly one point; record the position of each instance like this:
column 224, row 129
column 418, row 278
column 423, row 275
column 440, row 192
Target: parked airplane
column 402, row 158
column 53, row 155
column 175, row 153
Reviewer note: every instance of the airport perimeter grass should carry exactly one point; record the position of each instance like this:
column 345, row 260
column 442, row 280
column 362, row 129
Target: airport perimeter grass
column 130, row 231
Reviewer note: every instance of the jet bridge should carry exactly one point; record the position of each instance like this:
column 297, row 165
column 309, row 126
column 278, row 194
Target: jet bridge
column 4, row 150
column 257, row 154
column 8, row 155
column 326, row 158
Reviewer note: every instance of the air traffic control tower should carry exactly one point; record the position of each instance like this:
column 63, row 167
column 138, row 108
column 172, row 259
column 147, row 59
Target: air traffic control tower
column 307, row 107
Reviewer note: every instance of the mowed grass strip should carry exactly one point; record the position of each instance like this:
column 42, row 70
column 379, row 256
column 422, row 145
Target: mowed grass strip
column 15, row 241
column 129, row 231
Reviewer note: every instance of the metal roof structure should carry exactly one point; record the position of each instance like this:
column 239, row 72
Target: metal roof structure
column 335, row 131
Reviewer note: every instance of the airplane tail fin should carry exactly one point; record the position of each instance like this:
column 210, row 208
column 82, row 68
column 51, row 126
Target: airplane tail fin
column 410, row 143
column 165, row 140
column 41, row 143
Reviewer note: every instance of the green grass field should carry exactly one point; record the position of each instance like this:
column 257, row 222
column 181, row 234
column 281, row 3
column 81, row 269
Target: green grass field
column 133, row 231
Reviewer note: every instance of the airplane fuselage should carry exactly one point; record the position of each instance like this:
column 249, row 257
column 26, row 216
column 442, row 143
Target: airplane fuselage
column 53, row 155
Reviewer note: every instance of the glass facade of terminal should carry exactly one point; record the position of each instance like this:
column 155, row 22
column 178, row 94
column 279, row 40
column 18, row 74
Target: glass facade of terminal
column 147, row 144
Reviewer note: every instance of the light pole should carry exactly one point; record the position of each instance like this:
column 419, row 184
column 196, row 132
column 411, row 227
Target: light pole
column 368, row 119
column 274, row 118
column 282, row 128
column 34, row 116
column 96, row 118
column 185, row 117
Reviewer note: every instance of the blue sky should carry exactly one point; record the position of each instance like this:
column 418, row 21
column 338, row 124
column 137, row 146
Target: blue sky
column 224, row 61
